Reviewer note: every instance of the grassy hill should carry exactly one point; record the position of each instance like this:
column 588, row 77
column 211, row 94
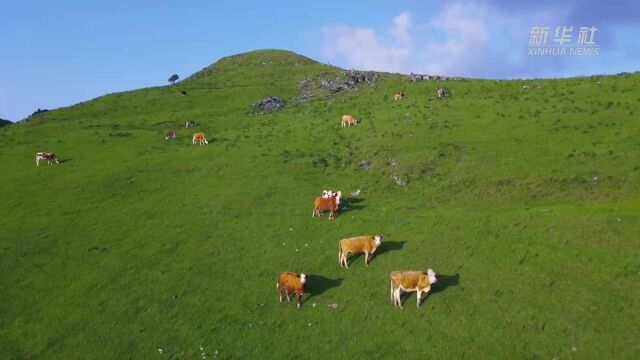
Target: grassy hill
column 525, row 201
column 5, row 122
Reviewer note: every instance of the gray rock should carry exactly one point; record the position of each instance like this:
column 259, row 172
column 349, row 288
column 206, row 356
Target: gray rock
column 364, row 164
column 351, row 79
column 269, row 104
column 420, row 77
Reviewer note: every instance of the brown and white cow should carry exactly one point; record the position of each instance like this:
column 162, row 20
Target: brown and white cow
column 50, row 157
column 360, row 244
column 291, row 283
column 419, row 281
column 170, row 135
column 200, row 138
column 190, row 124
column 348, row 120
column 330, row 204
column 442, row 92
column 398, row 95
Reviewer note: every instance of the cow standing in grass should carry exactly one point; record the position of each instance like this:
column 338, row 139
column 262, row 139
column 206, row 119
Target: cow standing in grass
column 170, row 135
column 291, row 283
column 360, row 244
column 348, row 120
column 50, row 157
column 419, row 281
column 442, row 92
column 326, row 204
column 199, row 138
column 190, row 124
column 399, row 95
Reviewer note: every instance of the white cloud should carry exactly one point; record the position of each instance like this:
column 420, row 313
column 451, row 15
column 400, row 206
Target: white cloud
column 400, row 31
column 402, row 49
column 363, row 49
column 466, row 45
column 462, row 39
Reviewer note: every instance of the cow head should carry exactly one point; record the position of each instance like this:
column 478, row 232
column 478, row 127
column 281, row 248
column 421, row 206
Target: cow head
column 378, row 239
column 338, row 194
column 303, row 278
column 206, row 141
column 432, row 276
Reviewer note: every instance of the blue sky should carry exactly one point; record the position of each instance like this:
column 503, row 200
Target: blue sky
column 55, row 54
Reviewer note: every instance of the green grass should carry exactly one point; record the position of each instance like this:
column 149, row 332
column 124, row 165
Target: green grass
column 526, row 202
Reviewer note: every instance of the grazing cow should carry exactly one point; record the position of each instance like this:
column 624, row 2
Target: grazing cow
column 399, row 95
column 289, row 283
column 442, row 92
column 190, row 124
column 357, row 245
column 419, row 281
column 348, row 120
column 200, row 138
column 328, row 204
column 50, row 157
column 170, row 135
column 183, row 93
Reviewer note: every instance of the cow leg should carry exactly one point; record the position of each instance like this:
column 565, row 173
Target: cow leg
column 419, row 293
column 366, row 258
column 299, row 298
column 279, row 294
column 398, row 300
column 392, row 298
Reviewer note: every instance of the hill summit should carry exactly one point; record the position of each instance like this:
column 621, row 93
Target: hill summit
column 267, row 59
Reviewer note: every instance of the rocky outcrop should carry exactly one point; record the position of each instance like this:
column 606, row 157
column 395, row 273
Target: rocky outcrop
column 327, row 85
column 269, row 104
column 351, row 79
column 419, row 77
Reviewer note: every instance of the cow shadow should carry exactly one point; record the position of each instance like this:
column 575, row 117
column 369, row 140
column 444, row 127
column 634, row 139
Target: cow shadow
column 385, row 246
column 62, row 161
column 444, row 281
column 350, row 204
column 316, row 285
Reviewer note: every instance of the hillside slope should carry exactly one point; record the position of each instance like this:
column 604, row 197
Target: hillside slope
column 524, row 200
